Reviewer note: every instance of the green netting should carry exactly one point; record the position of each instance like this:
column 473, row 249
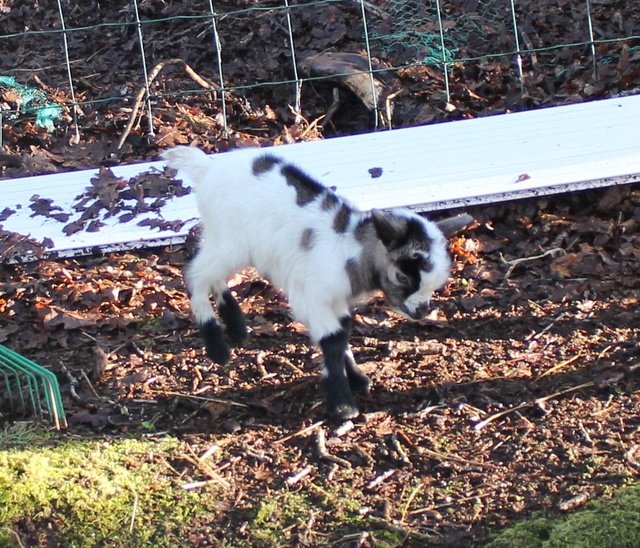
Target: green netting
column 33, row 101
column 26, row 386
column 415, row 26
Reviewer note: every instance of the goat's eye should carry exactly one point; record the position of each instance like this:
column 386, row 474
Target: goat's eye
column 403, row 279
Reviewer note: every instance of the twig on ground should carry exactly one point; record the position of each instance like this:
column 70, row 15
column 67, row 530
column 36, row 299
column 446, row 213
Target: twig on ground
column 203, row 399
column 194, row 459
column 408, row 532
column 602, row 354
column 73, row 382
column 558, row 366
column 447, row 504
column 359, row 539
column 307, row 532
column 310, row 125
column 322, row 450
column 389, row 108
column 13, row 534
column 480, row 425
column 88, row 381
column 197, row 484
column 213, row 449
column 292, row 480
column 575, row 502
column 515, row 262
column 134, row 510
column 397, row 447
column 585, row 433
column 538, row 401
column 535, row 336
column 412, row 496
column 333, row 108
column 261, row 456
column 152, row 76
column 529, row 44
column 345, row 427
column 302, row 432
column 453, row 458
column 375, row 483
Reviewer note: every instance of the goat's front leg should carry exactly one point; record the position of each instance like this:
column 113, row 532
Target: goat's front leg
column 336, row 382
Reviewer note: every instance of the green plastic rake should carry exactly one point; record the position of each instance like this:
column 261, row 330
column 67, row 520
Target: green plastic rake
column 26, row 385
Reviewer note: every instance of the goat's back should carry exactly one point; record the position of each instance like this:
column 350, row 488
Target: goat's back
column 259, row 211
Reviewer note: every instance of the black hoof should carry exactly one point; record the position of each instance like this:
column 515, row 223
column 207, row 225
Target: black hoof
column 217, row 348
column 340, row 402
column 219, row 354
column 344, row 411
column 238, row 334
column 359, row 382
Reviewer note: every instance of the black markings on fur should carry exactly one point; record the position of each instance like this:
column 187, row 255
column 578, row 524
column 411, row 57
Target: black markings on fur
column 335, row 384
column 362, row 228
column 307, row 189
column 415, row 236
column 411, row 268
column 213, row 337
column 341, row 220
column 397, row 231
column 361, row 278
column 232, row 317
column 357, row 278
column 330, row 201
column 307, row 240
column 264, row 163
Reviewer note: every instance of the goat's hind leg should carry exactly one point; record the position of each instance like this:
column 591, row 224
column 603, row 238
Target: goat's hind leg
column 232, row 316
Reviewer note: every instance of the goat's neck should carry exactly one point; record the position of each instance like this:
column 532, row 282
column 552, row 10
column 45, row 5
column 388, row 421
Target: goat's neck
column 365, row 272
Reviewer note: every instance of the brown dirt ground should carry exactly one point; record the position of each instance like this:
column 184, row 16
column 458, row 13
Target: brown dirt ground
column 519, row 393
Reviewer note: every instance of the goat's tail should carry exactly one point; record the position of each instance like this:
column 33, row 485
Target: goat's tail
column 193, row 161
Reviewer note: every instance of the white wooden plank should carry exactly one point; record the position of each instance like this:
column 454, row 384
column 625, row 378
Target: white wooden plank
column 429, row 167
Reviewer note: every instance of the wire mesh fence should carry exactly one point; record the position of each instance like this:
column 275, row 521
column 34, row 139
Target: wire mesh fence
column 136, row 70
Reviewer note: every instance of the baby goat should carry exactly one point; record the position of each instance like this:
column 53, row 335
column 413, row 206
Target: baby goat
column 324, row 253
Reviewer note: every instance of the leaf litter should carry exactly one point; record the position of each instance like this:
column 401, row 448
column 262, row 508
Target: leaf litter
column 519, row 400
column 519, row 394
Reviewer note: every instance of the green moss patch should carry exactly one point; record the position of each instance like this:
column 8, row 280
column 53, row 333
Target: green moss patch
column 612, row 523
column 118, row 493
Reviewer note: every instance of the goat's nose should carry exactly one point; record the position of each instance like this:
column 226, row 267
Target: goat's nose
column 421, row 310
column 417, row 313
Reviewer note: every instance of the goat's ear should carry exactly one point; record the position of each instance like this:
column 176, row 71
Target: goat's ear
column 450, row 226
column 389, row 228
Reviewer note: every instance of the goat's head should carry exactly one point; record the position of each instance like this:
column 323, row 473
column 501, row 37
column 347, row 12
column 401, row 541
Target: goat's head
column 415, row 262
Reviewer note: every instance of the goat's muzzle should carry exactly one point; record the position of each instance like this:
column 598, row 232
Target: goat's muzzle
column 416, row 313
